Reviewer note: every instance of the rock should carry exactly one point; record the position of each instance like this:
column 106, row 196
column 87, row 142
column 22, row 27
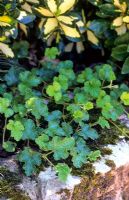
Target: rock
column 13, row 182
column 107, row 183
column 124, row 120
column 9, row 163
column 30, row 188
column 52, row 189
column 45, row 186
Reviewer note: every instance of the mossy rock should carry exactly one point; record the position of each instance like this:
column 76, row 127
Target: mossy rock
column 88, row 189
column 8, row 182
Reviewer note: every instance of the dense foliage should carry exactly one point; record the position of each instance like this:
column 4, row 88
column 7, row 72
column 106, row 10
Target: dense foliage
column 52, row 111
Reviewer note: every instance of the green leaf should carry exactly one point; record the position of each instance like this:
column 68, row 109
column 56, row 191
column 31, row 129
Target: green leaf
column 125, row 98
column 103, row 99
column 88, row 132
column 54, row 115
column 61, row 146
column 12, row 76
column 25, row 90
column 54, row 91
column 125, row 68
column 31, row 159
column 94, row 155
column 37, row 107
column 103, row 122
column 88, row 106
column 120, row 52
column 51, row 53
column 109, row 112
column 16, row 128
column 106, row 73
column 107, row 9
column 42, row 142
column 92, row 87
column 62, row 80
column 2, row 88
column 54, row 129
column 79, row 159
column 68, row 73
column 80, row 98
column 80, row 115
column 67, row 128
column 30, row 79
column 30, row 131
column 4, row 107
column 63, row 171
column 21, row 49
column 58, row 96
column 20, row 109
column 59, row 143
column 9, row 146
column 81, row 146
column 122, row 39
column 86, row 75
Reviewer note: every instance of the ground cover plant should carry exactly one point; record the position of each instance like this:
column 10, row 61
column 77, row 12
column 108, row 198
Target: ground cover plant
column 53, row 108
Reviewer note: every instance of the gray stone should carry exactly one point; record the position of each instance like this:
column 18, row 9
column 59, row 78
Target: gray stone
column 52, row 189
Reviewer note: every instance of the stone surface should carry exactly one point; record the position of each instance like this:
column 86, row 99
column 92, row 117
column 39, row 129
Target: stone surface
column 10, row 163
column 107, row 183
column 52, row 189
column 113, row 185
column 120, row 156
column 45, row 186
column 124, row 120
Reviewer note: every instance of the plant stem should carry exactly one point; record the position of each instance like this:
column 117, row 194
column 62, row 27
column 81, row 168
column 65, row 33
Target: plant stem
column 93, row 124
column 28, row 143
column 118, row 128
column 45, row 157
column 126, row 113
column 48, row 153
column 4, row 131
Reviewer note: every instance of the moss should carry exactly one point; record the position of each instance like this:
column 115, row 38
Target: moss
column 66, row 193
column 86, row 170
column 90, row 188
column 110, row 163
column 8, row 182
column 105, row 151
column 93, row 184
column 109, row 136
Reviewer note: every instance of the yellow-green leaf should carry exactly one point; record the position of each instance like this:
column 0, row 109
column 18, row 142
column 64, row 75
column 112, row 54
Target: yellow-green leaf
column 80, row 47
column 33, row 1
column 92, row 38
column 27, row 7
column 2, row 39
column 50, row 25
column 44, row 12
column 69, row 31
column 121, row 30
column 52, row 5
column 65, row 19
column 126, row 19
column 6, row 50
column 6, row 19
column 125, row 98
column 118, row 21
column 66, row 5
